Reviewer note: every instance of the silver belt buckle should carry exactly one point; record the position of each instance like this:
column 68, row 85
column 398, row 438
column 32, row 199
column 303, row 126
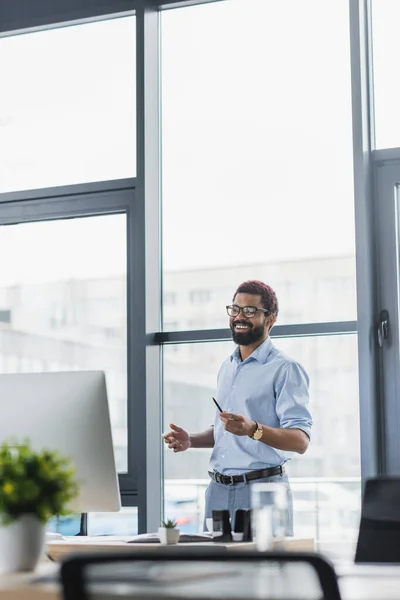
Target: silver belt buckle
column 231, row 481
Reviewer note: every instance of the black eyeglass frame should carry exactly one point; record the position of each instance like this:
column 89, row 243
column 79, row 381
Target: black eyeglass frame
column 241, row 309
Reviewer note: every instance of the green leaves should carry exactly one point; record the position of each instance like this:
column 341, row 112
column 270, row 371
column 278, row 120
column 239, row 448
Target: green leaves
column 170, row 524
column 38, row 483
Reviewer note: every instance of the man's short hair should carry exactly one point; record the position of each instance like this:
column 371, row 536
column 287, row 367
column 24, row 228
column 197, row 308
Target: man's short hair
column 268, row 296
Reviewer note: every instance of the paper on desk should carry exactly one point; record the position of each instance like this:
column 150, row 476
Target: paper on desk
column 184, row 538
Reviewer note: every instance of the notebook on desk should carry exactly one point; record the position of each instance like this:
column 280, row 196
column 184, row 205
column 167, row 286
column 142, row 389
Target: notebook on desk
column 184, row 538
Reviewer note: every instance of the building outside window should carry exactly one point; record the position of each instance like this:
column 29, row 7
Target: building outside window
column 169, row 298
column 200, row 296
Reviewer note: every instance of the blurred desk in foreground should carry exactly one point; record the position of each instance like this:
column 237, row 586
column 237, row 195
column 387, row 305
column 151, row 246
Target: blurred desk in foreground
column 373, row 583
column 22, row 586
column 59, row 549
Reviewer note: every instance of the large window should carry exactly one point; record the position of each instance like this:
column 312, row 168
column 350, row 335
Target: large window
column 258, row 184
column 266, row 110
column 67, row 105
column 64, row 293
column 257, row 158
column 326, row 475
column 385, row 18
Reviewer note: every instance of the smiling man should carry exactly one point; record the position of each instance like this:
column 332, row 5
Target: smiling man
column 264, row 397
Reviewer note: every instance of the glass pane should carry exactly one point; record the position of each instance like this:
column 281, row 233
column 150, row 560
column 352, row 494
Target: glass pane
column 65, row 524
column 125, row 522
column 325, row 480
column 385, row 19
column 63, row 304
column 257, row 159
column 68, row 105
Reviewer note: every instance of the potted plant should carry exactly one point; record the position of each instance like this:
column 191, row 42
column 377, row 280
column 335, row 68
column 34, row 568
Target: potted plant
column 34, row 486
column 168, row 532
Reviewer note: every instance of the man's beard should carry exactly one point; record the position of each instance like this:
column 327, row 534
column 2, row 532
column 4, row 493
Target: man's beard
column 251, row 336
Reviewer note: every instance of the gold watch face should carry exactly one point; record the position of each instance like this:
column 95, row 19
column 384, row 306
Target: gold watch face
column 257, row 434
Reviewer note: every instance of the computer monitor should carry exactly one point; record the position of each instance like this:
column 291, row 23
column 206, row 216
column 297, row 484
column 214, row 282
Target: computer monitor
column 68, row 412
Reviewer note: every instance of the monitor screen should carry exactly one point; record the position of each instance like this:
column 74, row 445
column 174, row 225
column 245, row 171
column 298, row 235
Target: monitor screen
column 66, row 411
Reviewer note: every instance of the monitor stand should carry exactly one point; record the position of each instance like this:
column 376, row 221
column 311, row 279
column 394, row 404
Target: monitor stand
column 83, row 530
column 52, row 536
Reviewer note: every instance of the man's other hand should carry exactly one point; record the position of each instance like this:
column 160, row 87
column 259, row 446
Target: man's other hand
column 237, row 424
column 178, row 439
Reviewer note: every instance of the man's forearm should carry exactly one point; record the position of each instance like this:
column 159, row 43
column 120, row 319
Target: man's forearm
column 205, row 439
column 292, row 440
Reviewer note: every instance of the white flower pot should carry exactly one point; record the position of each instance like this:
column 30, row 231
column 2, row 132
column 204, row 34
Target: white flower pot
column 21, row 543
column 168, row 535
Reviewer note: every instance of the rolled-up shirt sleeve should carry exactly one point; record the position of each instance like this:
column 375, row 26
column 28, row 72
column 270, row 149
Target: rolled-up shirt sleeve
column 292, row 398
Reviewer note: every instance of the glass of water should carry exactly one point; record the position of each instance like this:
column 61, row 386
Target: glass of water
column 269, row 503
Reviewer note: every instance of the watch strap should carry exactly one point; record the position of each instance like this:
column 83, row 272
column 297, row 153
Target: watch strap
column 254, row 430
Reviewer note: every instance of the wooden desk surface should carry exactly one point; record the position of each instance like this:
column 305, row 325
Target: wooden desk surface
column 59, row 549
column 21, row 586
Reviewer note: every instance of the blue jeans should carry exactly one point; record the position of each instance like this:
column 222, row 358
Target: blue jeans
column 232, row 497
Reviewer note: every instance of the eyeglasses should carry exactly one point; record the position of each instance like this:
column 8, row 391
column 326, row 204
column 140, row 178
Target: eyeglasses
column 248, row 311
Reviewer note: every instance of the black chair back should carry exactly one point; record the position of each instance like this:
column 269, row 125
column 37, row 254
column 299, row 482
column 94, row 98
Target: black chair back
column 173, row 573
column 379, row 533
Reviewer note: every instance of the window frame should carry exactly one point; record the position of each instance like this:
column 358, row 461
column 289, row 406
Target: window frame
column 386, row 178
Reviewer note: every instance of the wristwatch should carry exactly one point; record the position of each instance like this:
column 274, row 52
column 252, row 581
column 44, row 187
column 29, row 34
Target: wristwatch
column 257, row 433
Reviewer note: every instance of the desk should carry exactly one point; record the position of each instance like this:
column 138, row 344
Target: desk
column 21, row 586
column 374, row 586
column 358, row 583
column 58, row 549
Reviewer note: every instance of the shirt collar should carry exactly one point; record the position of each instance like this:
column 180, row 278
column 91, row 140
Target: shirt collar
column 260, row 354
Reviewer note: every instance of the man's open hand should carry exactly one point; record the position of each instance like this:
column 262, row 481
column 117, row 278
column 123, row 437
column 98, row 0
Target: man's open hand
column 177, row 439
column 237, row 424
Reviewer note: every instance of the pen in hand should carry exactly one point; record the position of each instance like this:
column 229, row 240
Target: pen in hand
column 217, row 405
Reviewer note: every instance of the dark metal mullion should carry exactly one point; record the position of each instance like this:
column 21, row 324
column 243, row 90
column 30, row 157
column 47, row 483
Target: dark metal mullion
column 172, row 4
column 135, row 275
column 148, row 430
column 279, row 331
column 19, row 16
column 315, row 329
column 65, row 207
column 68, row 191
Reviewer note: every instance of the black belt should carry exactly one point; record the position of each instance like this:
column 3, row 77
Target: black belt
column 250, row 476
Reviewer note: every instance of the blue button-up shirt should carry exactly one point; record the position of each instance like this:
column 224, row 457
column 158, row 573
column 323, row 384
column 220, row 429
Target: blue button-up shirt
column 267, row 387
